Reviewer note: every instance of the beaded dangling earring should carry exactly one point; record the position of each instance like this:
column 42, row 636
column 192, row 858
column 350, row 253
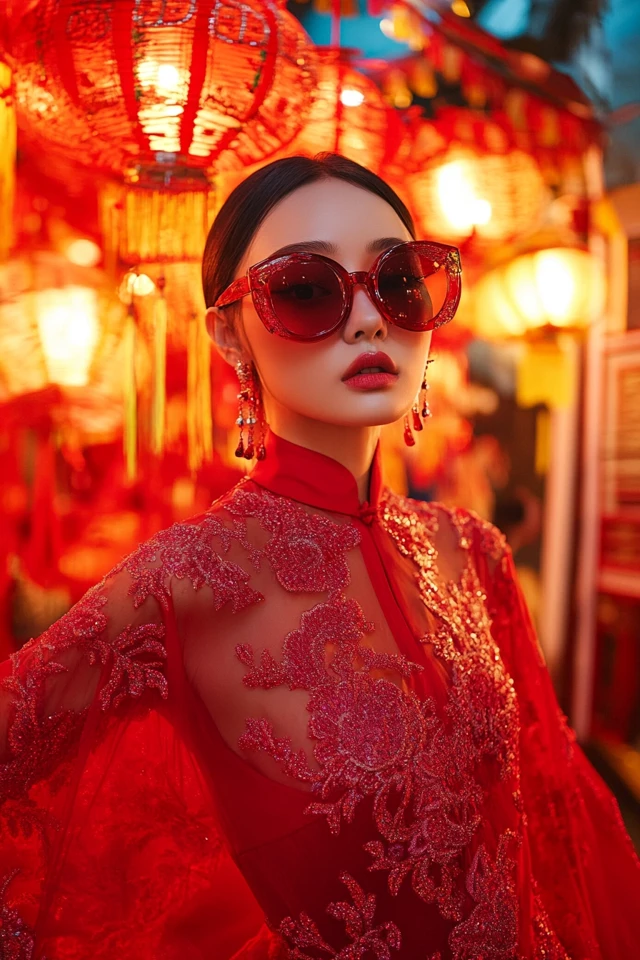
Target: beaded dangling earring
column 250, row 414
column 419, row 411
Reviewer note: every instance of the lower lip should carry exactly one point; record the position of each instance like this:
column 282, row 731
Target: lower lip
column 371, row 381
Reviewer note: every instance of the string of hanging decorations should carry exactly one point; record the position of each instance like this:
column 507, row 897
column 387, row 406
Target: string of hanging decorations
column 155, row 99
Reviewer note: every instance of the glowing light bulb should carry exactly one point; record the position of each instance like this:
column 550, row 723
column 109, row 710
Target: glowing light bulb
column 351, row 98
column 456, row 195
column 164, row 77
column 460, row 8
column 387, row 28
column 135, row 284
column 69, row 331
column 167, row 76
column 481, row 212
column 141, row 284
column 84, row 253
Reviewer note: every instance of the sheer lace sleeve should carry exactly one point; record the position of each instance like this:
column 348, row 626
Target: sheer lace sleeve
column 587, row 873
column 109, row 846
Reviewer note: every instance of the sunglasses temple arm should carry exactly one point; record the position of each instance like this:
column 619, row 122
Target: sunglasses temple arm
column 234, row 292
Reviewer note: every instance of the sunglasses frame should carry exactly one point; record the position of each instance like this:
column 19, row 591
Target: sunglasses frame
column 256, row 282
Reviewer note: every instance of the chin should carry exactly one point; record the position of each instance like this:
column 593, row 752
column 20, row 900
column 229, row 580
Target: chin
column 352, row 417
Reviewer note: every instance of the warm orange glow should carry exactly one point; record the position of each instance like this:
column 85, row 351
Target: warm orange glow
column 497, row 195
column 348, row 115
column 84, row 253
column 7, row 161
column 135, row 284
column 460, row 8
column 69, row 330
column 561, row 287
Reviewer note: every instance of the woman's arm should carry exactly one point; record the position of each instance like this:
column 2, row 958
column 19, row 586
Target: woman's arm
column 587, row 871
column 109, row 843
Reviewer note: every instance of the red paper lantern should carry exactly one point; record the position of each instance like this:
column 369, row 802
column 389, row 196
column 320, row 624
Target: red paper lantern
column 465, row 175
column 348, row 115
column 161, row 93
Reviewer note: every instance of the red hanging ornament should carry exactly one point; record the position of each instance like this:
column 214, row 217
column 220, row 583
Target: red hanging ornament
column 409, row 438
column 158, row 94
column 348, row 114
column 161, row 96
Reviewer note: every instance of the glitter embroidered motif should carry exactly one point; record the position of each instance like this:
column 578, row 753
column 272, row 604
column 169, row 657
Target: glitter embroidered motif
column 38, row 740
column 186, row 551
column 365, row 939
column 306, row 550
column 491, row 931
column 16, row 939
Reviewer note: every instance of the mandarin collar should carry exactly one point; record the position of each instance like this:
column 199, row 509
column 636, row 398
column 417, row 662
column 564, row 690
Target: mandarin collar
column 316, row 479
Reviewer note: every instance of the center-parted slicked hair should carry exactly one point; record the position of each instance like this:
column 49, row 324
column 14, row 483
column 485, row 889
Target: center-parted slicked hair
column 247, row 206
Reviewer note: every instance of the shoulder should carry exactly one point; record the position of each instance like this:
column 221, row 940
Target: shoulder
column 191, row 555
column 461, row 527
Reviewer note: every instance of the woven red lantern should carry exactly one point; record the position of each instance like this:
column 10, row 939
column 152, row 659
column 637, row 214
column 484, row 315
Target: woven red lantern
column 160, row 96
column 348, row 114
column 159, row 93
column 465, row 175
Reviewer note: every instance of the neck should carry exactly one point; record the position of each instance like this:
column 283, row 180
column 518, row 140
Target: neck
column 351, row 446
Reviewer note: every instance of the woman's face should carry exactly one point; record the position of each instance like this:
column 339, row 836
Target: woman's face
column 352, row 226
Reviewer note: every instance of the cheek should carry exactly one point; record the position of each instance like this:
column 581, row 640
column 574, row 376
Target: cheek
column 285, row 366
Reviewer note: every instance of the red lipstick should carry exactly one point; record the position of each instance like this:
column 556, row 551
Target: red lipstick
column 371, row 371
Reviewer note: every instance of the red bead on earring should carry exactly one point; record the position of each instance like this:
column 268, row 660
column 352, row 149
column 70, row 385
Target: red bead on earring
column 419, row 412
column 409, row 438
column 250, row 414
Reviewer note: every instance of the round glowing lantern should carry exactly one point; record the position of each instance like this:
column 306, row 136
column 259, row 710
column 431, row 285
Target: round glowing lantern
column 557, row 288
column 157, row 93
column 466, row 176
column 495, row 196
column 348, row 114
column 58, row 329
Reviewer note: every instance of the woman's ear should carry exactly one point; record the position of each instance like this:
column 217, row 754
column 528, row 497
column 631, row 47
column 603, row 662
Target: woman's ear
column 222, row 331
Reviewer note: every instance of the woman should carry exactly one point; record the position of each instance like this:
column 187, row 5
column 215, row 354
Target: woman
column 313, row 722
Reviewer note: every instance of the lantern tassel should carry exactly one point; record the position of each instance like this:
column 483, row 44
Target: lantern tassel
column 130, row 398
column 42, row 552
column 7, row 160
column 199, row 417
column 159, row 402
column 206, row 416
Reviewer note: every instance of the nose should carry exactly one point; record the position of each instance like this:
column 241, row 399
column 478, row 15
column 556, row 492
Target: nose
column 365, row 322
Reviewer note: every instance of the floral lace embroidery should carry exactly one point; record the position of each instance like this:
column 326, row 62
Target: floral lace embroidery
column 365, row 939
column 306, row 550
column 491, row 930
column 371, row 738
column 483, row 694
column 135, row 656
column 37, row 741
column 185, row 551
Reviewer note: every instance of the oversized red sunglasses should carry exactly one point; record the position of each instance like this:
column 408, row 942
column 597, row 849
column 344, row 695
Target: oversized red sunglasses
column 305, row 296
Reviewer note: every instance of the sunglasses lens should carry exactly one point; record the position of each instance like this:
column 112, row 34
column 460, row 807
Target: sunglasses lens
column 413, row 288
column 307, row 298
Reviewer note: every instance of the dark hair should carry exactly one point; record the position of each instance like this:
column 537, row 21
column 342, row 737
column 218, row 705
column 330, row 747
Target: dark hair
column 247, row 206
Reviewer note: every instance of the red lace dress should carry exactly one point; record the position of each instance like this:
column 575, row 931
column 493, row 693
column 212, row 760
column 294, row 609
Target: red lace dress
column 303, row 727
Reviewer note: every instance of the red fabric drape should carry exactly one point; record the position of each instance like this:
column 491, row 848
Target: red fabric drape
column 301, row 726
